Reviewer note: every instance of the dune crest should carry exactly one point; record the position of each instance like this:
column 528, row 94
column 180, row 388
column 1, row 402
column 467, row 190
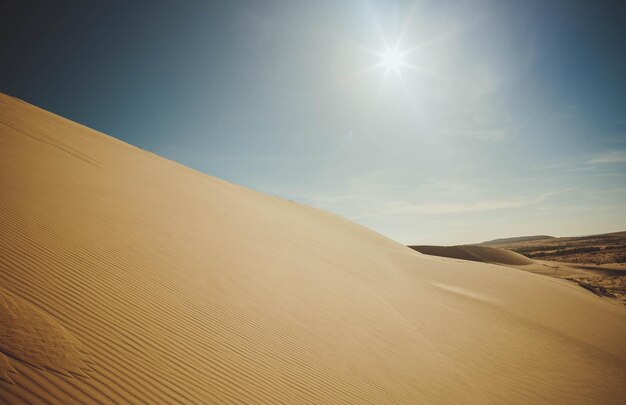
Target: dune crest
column 475, row 253
column 184, row 288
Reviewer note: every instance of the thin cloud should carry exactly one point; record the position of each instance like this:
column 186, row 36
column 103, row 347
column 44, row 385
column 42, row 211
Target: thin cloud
column 615, row 156
column 404, row 208
column 407, row 208
column 266, row 158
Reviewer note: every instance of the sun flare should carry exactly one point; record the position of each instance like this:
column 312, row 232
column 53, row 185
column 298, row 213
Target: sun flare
column 392, row 60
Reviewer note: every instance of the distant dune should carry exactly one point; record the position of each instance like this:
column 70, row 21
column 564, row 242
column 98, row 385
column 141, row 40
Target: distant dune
column 596, row 249
column 475, row 253
column 128, row 278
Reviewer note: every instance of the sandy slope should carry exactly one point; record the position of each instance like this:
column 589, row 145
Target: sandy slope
column 140, row 280
column 608, row 281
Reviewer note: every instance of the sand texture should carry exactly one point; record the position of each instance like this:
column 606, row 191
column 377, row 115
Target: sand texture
column 128, row 278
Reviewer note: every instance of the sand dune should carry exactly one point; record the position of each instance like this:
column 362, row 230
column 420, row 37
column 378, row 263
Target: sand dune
column 475, row 253
column 128, row 278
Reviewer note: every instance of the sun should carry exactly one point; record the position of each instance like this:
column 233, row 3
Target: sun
column 397, row 57
column 392, row 59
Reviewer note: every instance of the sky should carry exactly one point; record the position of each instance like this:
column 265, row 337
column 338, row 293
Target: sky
column 431, row 122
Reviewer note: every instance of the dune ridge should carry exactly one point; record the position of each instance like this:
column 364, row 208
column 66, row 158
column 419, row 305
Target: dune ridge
column 516, row 239
column 178, row 287
column 475, row 253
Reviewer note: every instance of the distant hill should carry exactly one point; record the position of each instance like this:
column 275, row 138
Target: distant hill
column 516, row 239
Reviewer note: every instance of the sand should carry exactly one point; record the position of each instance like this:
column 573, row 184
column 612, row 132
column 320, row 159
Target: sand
column 607, row 281
column 128, row 278
column 475, row 253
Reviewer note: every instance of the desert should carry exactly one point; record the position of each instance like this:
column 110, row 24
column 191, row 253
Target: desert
column 312, row 202
column 130, row 278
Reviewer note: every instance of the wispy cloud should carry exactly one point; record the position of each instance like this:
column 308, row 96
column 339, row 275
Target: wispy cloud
column 492, row 135
column 402, row 208
column 615, row 156
column 265, row 158
column 408, row 208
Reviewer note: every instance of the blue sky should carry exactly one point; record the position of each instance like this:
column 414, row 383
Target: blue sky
column 506, row 118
